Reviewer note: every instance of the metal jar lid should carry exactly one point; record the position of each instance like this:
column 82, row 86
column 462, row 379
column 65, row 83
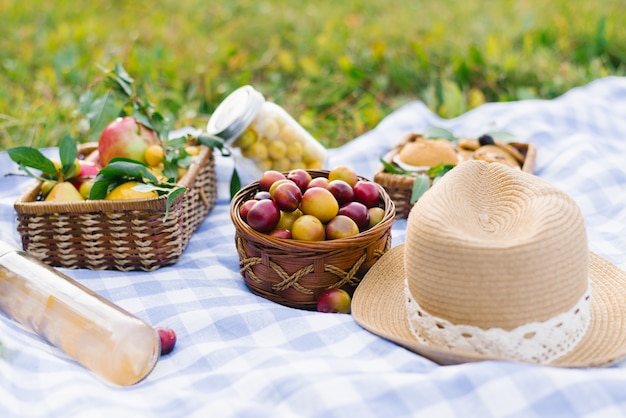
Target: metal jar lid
column 235, row 113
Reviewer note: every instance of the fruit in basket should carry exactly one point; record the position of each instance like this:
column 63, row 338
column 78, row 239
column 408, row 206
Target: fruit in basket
column 64, row 192
column 334, row 301
column 342, row 172
column 320, row 203
column 268, row 178
column 125, row 137
column 358, row 212
column 128, row 191
column 287, row 196
column 288, row 218
column 154, row 154
column 264, row 215
column 366, row 193
column 308, row 228
column 341, row 227
column 301, row 177
column 280, row 233
column 342, row 191
column 376, row 216
column 86, row 170
column 245, row 208
column 318, row 182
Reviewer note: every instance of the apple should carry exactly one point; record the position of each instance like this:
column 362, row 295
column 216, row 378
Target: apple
column 334, row 301
column 358, row 212
column 264, row 215
column 245, row 208
column 301, row 177
column 287, row 196
column 341, row 190
column 280, row 233
column 87, row 170
column 268, row 178
column 318, row 182
column 276, row 184
column 125, row 137
column 342, row 172
column 320, row 203
column 376, row 215
column 308, row 228
column 341, row 227
column 367, row 193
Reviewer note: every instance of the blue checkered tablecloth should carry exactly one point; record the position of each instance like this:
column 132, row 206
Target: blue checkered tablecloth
column 240, row 355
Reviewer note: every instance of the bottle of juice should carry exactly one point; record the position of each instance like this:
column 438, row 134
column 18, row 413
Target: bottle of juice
column 117, row 346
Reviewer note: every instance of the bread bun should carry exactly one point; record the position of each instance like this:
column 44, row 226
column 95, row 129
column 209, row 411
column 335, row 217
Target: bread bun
column 428, row 153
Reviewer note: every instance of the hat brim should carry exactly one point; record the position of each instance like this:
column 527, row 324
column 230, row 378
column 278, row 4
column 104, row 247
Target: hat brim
column 378, row 305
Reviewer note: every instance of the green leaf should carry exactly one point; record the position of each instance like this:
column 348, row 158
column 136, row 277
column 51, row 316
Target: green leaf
column 435, row 132
column 68, row 152
column 101, row 112
column 33, row 158
column 211, row 141
column 171, row 198
column 235, row 183
column 122, row 167
column 420, row 186
column 100, row 188
column 390, row 168
column 440, row 169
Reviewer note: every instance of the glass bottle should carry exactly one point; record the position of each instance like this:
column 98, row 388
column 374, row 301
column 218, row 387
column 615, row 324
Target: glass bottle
column 115, row 345
column 264, row 133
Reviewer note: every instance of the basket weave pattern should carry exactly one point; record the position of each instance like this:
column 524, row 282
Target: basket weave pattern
column 117, row 234
column 400, row 187
column 293, row 272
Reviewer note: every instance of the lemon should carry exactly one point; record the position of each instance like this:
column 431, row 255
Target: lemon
column 154, row 155
column 125, row 191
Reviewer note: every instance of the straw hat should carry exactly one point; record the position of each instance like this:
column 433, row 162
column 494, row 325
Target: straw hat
column 495, row 265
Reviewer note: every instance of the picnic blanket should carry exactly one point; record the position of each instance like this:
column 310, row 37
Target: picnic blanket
column 240, row 355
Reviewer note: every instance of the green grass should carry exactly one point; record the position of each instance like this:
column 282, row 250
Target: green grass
column 339, row 67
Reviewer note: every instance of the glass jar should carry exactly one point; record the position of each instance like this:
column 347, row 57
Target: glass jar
column 264, row 133
column 117, row 346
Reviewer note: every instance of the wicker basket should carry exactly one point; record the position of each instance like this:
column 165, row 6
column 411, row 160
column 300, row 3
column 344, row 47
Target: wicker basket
column 294, row 272
column 117, row 234
column 400, row 187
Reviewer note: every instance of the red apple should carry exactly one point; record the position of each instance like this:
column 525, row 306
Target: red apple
column 125, row 137
column 245, row 208
column 334, row 301
column 367, row 193
column 268, row 178
column 287, row 196
column 301, row 177
column 341, row 190
column 264, row 215
column 341, row 227
column 358, row 212
column 88, row 170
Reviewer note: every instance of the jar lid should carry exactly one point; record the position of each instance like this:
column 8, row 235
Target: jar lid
column 235, row 113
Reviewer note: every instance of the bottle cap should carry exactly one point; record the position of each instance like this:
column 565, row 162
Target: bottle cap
column 235, row 113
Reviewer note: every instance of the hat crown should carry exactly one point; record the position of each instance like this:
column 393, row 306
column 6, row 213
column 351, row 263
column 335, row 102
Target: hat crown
column 493, row 247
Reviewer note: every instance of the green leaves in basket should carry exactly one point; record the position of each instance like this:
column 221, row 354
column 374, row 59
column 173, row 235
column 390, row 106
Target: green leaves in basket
column 30, row 158
column 122, row 170
column 420, row 186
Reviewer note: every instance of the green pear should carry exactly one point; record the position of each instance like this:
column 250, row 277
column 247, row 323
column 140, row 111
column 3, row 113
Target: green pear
column 64, row 192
